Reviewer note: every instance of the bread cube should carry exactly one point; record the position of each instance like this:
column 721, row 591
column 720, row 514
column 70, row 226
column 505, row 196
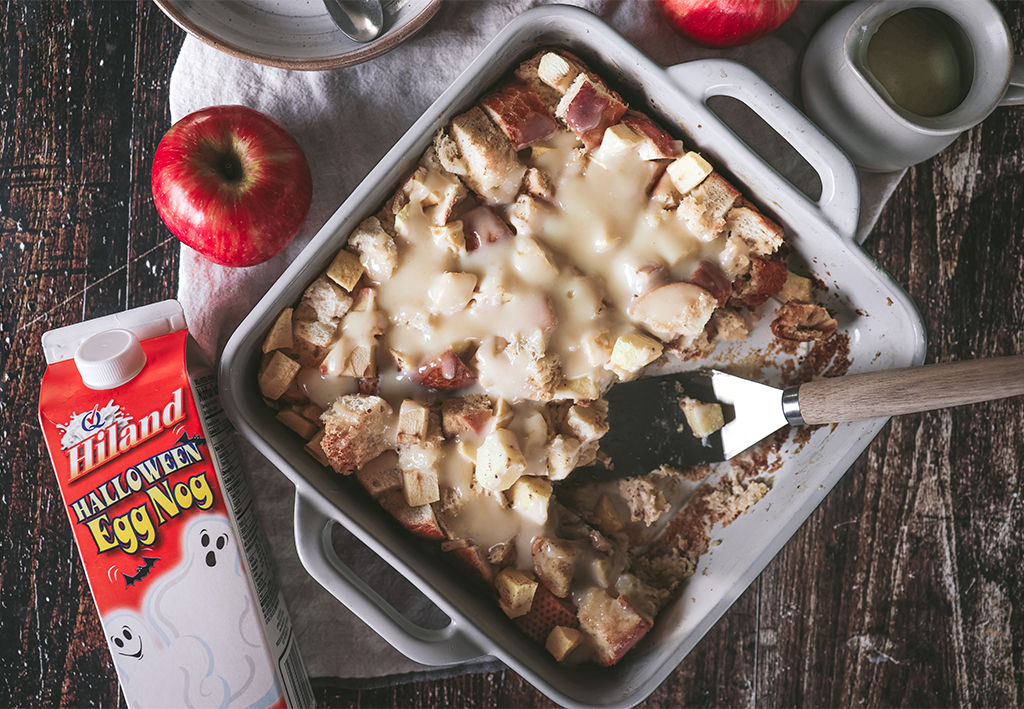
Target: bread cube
column 803, row 322
column 561, row 641
column 499, row 462
column 356, row 428
column 634, row 351
column 530, row 496
column 345, row 270
column 644, row 498
column 450, row 292
column 465, row 414
column 327, row 299
column 314, row 448
column 705, row 207
column 489, row 155
column 381, row 475
column 280, row 335
column 614, row 627
column 301, row 425
column 704, row 418
column 516, row 590
column 520, row 113
column 589, row 109
column 655, row 142
column 608, row 519
column 762, row 235
column 278, row 375
column 376, row 249
column 586, row 423
column 421, row 487
column 688, row 171
column 554, row 560
column 450, row 237
column 420, row 520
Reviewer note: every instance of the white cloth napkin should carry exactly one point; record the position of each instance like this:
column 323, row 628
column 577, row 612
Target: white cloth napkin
column 346, row 120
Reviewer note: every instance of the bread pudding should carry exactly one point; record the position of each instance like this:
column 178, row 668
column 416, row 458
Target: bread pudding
column 551, row 242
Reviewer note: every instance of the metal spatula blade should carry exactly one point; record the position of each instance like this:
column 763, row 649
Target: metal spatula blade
column 648, row 428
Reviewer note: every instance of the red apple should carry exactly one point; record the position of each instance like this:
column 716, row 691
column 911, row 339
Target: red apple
column 231, row 183
column 726, row 23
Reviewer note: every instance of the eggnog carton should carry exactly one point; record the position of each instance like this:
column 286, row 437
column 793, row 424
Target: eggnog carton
column 163, row 516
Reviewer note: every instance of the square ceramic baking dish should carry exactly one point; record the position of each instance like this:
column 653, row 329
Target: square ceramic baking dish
column 883, row 325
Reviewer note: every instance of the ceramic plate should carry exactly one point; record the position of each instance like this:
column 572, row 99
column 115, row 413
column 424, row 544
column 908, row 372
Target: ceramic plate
column 292, row 34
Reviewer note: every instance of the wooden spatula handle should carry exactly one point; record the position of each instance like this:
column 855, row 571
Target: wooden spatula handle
column 904, row 391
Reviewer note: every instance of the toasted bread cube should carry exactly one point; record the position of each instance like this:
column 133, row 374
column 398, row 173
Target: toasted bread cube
column 803, row 322
column 313, row 332
column 301, row 425
column 314, row 448
column 563, row 456
column 499, row 462
column 280, row 335
column 465, row 414
column 655, row 141
column 413, row 418
column 586, row 423
column 356, row 428
column 762, row 235
column 474, row 559
column 381, row 475
column 705, row 207
column 520, row 113
column 664, row 193
column 704, row 418
column 674, row 309
column 488, row 153
column 345, row 270
column 729, row 325
column 278, row 375
column 421, row 487
column 530, row 496
column 450, row 237
column 554, row 560
column 451, row 292
column 419, row 520
column 608, row 519
column 515, row 591
column 557, row 71
column 688, row 171
column 614, row 626
column 561, row 641
column 376, row 249
column 328, row 299
column 634, row 351
column 588, row 109
column 644, row 498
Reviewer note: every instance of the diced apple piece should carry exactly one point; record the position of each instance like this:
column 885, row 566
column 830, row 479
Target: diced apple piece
column 597, row 347
column 634, row 351
column 563, row 456
column 614, row 627
column 674, row 309
column 421, row 487
column 688, row 171
column 502, row 413
column 561, row 641
column 554, row 560
column 280, row 335
column 450, row 236
column 557, row 72
column 795, row 288
column 619, row 139
column 451, row 292
column 346, row 270
column 444, row 372
column 499, row 462
column 704, row 418
column 413, row 418
column 376, row 249
column 482, row 226
column 278, row 375
column 515, row 591
column 586, row 423
column 530, row 496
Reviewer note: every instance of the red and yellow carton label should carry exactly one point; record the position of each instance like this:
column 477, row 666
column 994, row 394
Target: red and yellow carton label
column 169, row 536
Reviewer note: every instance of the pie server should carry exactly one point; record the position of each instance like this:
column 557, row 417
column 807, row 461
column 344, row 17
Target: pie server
column 648, row 428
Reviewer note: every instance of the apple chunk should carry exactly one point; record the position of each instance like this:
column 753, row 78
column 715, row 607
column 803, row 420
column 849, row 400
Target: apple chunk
column 674, row 309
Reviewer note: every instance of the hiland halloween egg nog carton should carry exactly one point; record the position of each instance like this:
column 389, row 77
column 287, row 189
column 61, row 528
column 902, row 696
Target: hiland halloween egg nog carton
column 163, row 516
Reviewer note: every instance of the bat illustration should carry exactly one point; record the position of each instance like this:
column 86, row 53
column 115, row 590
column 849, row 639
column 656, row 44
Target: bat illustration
column 141, row 572
column 184, row 438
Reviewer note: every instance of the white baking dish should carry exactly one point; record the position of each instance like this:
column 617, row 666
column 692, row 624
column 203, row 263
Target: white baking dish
column 883, row 325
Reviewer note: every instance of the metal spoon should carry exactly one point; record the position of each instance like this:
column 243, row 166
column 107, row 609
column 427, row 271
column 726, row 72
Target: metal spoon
column 362, row 20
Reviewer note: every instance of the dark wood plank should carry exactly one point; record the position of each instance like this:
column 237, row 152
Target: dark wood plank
column 903, row 588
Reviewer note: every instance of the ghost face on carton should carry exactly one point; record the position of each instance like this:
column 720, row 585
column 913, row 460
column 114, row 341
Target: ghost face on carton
column 206, row 598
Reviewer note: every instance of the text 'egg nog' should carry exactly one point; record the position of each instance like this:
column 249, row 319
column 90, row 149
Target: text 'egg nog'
column 163, row 516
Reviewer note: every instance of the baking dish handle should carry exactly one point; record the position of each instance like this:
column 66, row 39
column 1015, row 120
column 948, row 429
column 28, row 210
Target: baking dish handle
column 702, row 79
column 447, row 646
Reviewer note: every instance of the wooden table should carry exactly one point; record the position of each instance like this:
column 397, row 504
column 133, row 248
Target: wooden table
column 904, row 588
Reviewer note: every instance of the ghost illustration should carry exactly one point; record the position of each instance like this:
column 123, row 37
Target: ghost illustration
column 206, row 596
column 154, row 674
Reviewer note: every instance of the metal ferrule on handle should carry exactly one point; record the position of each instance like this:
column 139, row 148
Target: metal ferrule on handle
column 791, row 406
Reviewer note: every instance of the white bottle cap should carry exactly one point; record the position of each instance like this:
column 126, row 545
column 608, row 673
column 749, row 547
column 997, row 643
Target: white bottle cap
column 109, row 359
